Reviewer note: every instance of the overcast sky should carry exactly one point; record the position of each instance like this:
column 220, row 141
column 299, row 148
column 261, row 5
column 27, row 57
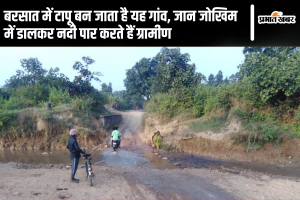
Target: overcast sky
column 112, row 62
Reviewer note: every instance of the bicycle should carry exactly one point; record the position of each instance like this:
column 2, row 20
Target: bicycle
column 88, row 167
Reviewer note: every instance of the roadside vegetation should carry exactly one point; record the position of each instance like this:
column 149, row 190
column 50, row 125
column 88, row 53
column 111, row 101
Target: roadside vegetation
column 264, row 94
column 23, row 96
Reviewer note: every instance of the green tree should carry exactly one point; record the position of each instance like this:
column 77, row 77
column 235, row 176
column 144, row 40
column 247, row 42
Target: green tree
column 57, row 80
column 106, row 88
column 140, row 77
column 226, row 81
column 173, row 71
column 33, row 72
column 234, row 77
column 268, row 51
column 273, row 71
column 122, row 100
column 211, row 80
column 4, row 92
column 281, row 53
column 82, row 83
column 110, row 87
column 219, row 78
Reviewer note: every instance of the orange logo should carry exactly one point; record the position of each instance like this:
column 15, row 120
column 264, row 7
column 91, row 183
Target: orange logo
column 276, row 14
column 277, row 17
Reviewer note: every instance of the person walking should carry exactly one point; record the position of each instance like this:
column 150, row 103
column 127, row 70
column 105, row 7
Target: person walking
column 74, row 154
column 157, row 139
column 153, row 145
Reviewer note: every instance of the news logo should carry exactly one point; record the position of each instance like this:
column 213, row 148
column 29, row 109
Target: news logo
column 277, row 18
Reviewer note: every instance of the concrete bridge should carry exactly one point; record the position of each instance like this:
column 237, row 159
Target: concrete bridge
column 109, row 120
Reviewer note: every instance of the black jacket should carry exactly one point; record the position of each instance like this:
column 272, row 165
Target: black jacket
column 74, row 148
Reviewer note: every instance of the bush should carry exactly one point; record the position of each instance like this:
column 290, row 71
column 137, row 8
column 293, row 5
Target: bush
column 15, row 103
column 4, row 92
column 151, row 106
column 182, row 96
column 100, row 99
column 163, row 104
column 214, row 124
column 246, row 92
column 64, row 138
column 34, row 92
column 296, row 125
column 33, row 95
column 166, row 104
column 202, row 93
column 6, row 116
column 210, row 104
column 82, row 104
column 2, row 102
column 223, row 97
column 58, row 97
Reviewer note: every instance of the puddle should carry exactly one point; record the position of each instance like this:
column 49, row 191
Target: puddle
column 136, row 156
column 123, row 158
column 292, row 172
column 206, row 162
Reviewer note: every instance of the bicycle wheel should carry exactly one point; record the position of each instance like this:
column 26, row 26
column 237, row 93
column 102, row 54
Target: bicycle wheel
column 91, row 182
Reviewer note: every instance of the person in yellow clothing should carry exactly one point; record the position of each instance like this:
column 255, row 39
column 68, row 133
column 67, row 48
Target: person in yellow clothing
column 153, row 145
column 157, row 140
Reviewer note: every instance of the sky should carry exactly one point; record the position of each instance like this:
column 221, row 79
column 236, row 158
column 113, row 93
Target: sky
column 112, row 62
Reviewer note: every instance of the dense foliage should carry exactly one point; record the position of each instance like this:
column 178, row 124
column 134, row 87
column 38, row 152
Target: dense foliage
column 34, row 85
column 140, row 77
column 274, row 72
column 264, row 93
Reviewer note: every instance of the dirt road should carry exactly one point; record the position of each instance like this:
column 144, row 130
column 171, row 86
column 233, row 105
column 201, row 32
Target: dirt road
column 130, row 127
column 33, row 182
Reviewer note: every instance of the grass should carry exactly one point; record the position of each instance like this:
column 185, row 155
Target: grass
column 165, row 147
column 82, row 131
column 185, row 114
column 213, row 124
column 83, row 120
column 63, row 138
column 258, row 130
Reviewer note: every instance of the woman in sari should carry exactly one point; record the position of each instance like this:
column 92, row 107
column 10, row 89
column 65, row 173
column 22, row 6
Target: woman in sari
column 157, row 140
column 153, row 145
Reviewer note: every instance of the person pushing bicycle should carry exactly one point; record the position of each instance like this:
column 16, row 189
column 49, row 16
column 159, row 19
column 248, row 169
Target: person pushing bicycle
column 74, row 154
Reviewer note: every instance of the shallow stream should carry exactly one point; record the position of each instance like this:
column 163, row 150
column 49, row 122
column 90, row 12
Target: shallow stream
column 121, row 158
column 139, row 157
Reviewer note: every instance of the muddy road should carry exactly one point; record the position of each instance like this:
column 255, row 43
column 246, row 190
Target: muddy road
column 131, row 127
column 136, row 173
